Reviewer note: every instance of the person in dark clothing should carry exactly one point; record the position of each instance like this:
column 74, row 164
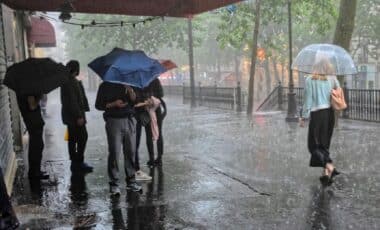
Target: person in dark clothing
column 8, row 218
column 154, row 89
column 158, row 92
column 74, row 107
column 143, row 120
column 31, row 114
column 117, row 102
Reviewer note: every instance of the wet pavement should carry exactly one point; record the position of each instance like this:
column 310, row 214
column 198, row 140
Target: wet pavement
column 221, row 170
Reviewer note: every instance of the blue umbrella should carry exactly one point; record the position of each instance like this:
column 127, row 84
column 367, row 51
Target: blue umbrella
column 128, row 67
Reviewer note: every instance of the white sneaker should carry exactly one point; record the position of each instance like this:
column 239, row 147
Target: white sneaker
column 141, row 176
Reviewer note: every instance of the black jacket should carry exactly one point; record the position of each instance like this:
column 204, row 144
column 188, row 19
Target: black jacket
column 109, row 92
column 157, row 91
column 74, row 102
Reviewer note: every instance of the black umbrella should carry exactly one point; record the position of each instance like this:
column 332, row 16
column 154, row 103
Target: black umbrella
column 36, row 76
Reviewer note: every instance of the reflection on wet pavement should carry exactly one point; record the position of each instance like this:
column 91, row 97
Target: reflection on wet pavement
column 221, row 170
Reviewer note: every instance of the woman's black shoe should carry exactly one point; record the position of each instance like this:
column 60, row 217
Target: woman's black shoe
column 41, row 176
column 334, row 173
column 150, row 164
column 158, row 162
column 325, row 180
column 9, row 223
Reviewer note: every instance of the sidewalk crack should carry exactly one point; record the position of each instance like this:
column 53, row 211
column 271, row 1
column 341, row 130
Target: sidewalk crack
column 232, row 177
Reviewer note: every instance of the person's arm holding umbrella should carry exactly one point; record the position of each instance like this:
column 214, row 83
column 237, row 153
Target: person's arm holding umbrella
column 33, row 102
column 307, row 104
column 130, row 93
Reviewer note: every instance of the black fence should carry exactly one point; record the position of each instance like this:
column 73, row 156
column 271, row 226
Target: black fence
column 362, row 104
column 173, row 89
column 219, row 97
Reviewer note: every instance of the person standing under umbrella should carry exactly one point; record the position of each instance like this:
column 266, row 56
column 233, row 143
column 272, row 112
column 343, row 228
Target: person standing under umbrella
column 154, row 89
column 158, row 92
column 117, row 102
column 30, row 79
column 143, row 120
column 31, row 114
column 74, row 106
column 317, row 106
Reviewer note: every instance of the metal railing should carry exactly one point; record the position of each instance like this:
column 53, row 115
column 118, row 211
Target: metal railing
column 272, row 100
column 362, row 104
column 173, row 89
column 212, row 96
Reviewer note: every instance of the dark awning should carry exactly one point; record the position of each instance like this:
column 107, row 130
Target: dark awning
column 174, row 8
column 41, row 33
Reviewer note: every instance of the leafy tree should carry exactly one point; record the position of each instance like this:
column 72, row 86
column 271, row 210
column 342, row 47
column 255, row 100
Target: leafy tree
column 253, row 58
column 312, row 22
column 89, row 42
column 345, row 26
column 367, row 28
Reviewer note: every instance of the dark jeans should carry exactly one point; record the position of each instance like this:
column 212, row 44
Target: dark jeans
column 149, row 139
column 36, row 146
column 5, row 203
column 77, row 142
column 321, row 128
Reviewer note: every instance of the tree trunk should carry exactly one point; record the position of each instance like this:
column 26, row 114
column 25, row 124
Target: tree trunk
column 253, row 59
column 343, row 32
column 218, row 65
column 191, row 61
column 237, row 67
column 345, row 26
column 275, row 70
column 268, row 77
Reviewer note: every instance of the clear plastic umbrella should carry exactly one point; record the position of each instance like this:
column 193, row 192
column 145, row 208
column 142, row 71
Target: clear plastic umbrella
column 310, row 58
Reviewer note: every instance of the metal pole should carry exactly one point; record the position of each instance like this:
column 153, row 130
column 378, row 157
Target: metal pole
column 292, row 108
column 191, row 62
column 238, row 97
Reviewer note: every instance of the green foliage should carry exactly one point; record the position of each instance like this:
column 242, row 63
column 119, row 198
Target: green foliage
column 367, row 26
column 312, row 21
column 87, row 43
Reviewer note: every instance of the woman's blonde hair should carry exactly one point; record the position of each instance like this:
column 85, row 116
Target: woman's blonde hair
column 321, row 69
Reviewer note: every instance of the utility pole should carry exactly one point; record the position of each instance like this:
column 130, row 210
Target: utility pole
column 292, row 105
column 191, row 61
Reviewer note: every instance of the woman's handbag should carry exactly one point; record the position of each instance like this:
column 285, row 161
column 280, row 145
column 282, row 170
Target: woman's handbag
column 337, row 99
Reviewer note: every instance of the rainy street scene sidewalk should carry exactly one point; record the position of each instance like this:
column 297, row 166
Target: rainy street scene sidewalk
column 189, row 114
column 221, row 170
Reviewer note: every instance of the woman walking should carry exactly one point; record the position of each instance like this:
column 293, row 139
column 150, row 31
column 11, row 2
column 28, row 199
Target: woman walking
column 317, row 107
